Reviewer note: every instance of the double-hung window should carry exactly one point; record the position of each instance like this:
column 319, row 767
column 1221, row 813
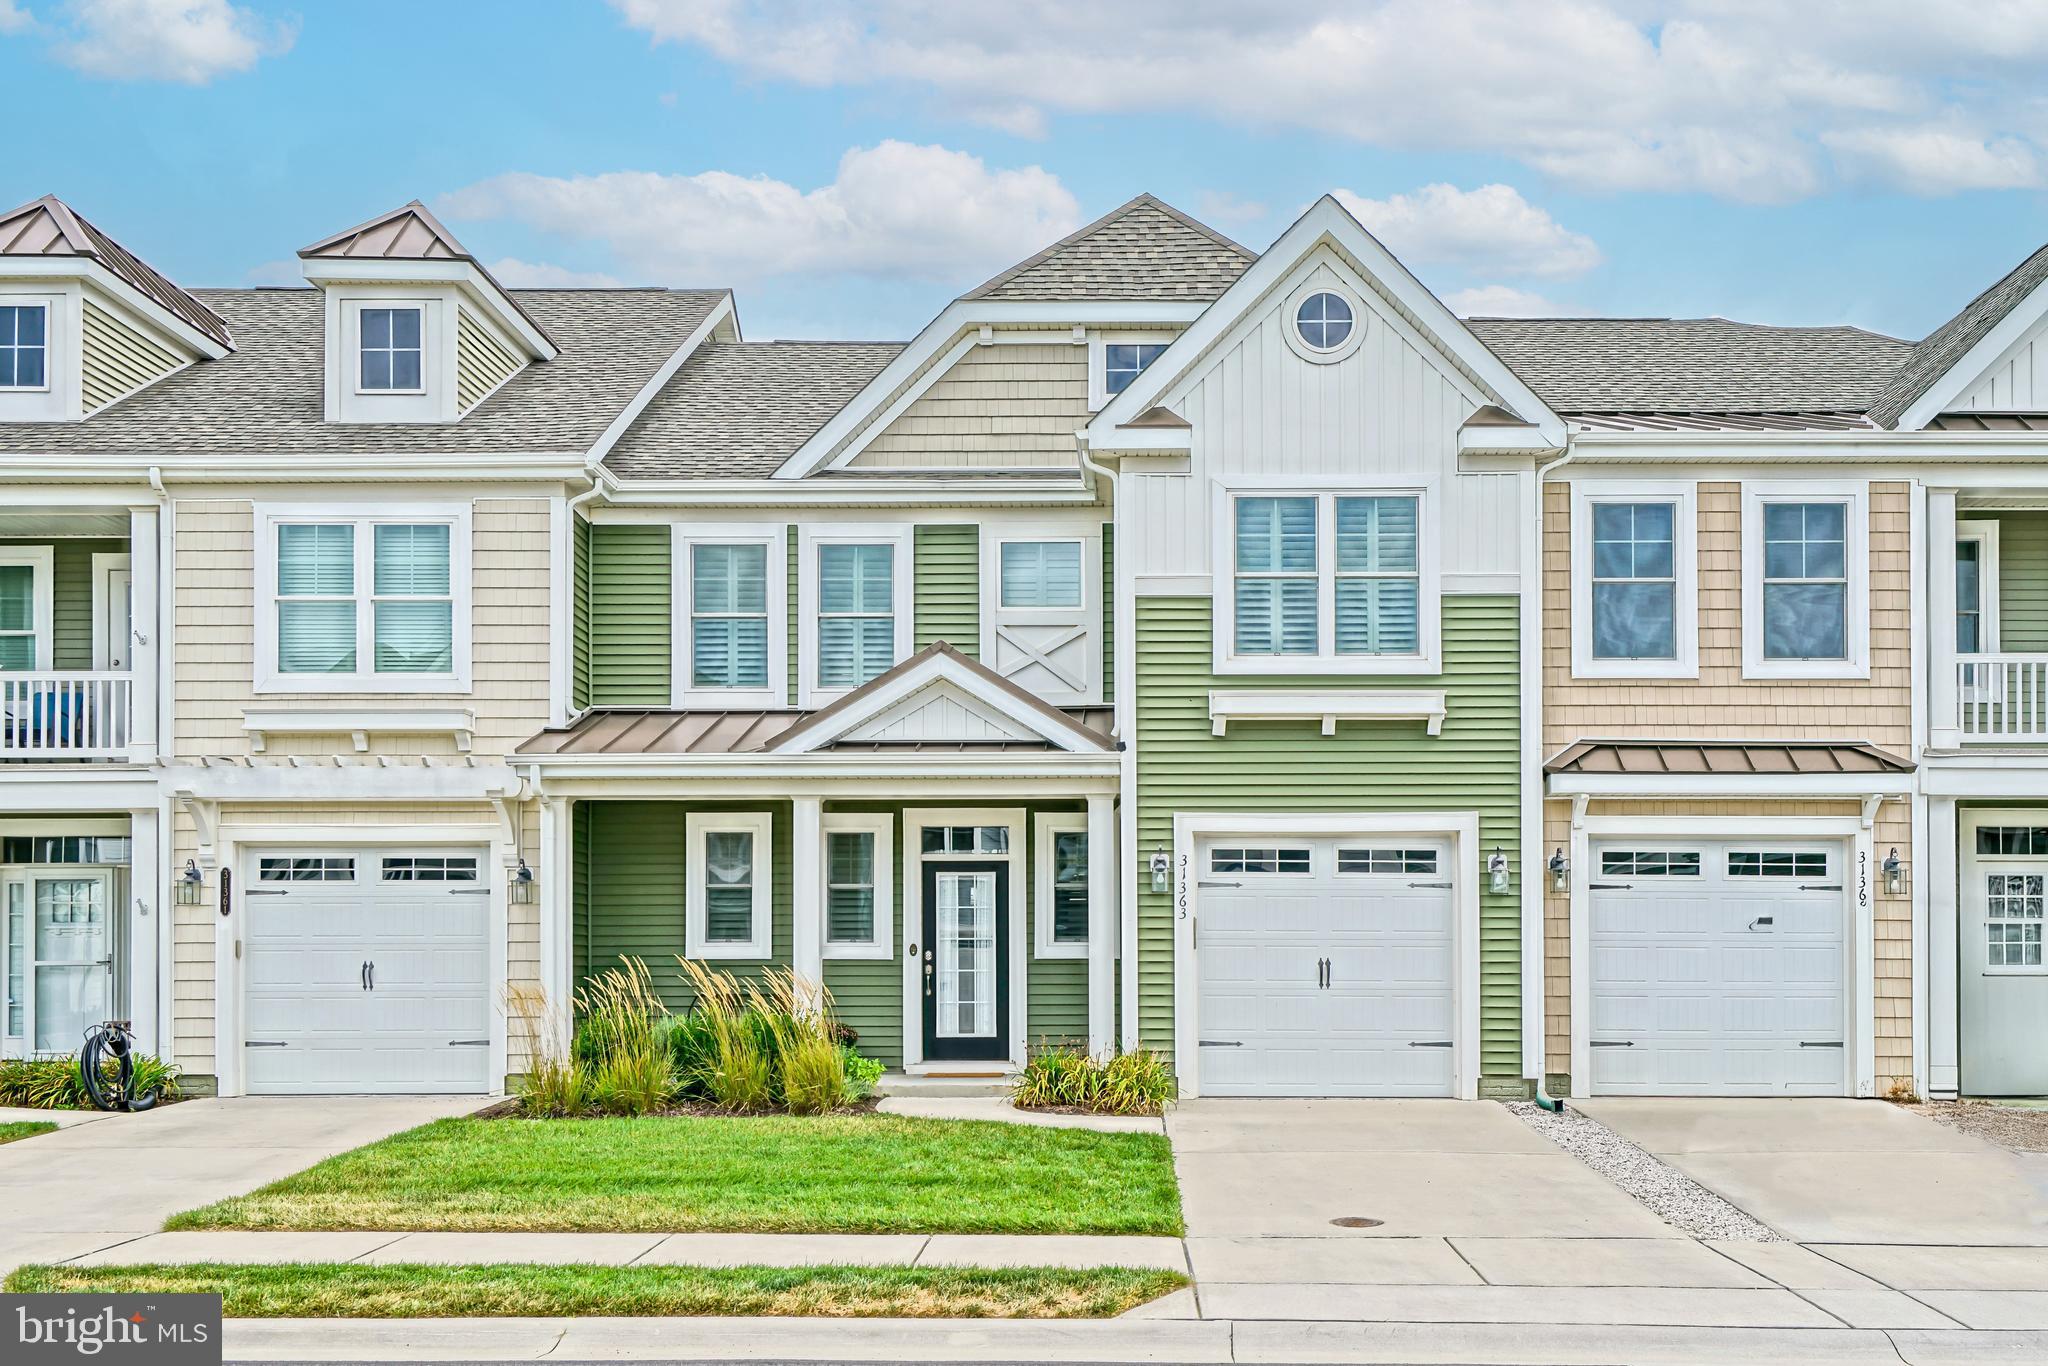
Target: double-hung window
column 1060, row 909
column 731, row 626
column 728, row 902
column 363, row 602
column 855, row 604
column 1634, row 607
column 1326, row 582
column 24, row 346
column 1805, row 588
column 859, row 892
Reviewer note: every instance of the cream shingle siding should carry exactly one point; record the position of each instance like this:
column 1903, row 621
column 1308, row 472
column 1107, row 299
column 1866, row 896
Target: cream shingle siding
column 215, row 636
column 119, row 358
column 482, row 361
column 1011, row 406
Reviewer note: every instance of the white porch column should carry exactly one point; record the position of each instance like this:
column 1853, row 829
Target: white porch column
column 1103, row 866
column 144, row 657
column 1943, row 730
column 807, row 892
column 558, row 920
column 1938, row 876
column 146, row 912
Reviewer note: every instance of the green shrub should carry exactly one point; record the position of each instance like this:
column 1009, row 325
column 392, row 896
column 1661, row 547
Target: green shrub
column 692, row 1050
column 54, row 1083
column 1135, row 1083
column 555, row 1088
column 631, row 1082
column 735, row 1071
column 862, row 1073
column 810, row 1075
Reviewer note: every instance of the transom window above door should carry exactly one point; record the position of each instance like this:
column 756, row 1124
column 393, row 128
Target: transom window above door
column 1805, row 582
column 1634, row 581
column 363, row 603
column 965, row 839
column 1327, row 582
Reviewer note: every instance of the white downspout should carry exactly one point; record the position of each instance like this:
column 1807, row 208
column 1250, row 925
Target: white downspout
column 1123, row 666
column 1535, row 862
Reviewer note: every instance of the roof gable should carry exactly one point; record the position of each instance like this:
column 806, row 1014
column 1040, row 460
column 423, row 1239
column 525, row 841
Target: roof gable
column 1955, row 355
column 407, row 233
column 50, row 227
column 939, row 695
column 1144, row 249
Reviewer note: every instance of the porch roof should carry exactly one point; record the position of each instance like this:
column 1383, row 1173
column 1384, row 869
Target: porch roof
column 1659, row 758
column 611, row 732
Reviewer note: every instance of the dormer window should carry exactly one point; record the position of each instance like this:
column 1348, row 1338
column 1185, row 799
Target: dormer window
column 24, row 346
column 391, row 351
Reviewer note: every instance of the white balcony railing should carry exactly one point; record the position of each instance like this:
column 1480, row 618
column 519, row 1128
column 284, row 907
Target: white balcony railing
column 65, row 715
column 2002, row 699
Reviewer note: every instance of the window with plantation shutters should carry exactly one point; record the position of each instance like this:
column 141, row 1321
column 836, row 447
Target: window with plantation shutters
column 729, row 616
column 856, row 613
column 1326, row 582
column 365, row 603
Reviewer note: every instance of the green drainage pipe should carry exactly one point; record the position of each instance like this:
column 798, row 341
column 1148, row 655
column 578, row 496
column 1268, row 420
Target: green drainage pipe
column 1547, row 1101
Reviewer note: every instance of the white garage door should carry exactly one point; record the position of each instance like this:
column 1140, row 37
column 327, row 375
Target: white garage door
column 368, row 971
column 1717, row 969
column 1326, row 968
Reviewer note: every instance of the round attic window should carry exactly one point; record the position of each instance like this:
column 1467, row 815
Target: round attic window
column 1324, row 320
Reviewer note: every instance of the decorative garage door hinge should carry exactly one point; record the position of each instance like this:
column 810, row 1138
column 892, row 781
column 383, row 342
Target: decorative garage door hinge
column 1614, row 1043
column 1222, row 1043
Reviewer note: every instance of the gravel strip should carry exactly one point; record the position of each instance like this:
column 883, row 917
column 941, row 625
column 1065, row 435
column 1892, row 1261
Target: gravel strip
column 2024, row 1128
column 1660, row 1188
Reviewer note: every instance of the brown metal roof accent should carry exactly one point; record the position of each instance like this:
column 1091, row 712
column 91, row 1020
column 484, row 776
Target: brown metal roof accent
column 1790, row 421
column 1742, row 758
column 1988, row 422
column 50, row 227
column 1493, row 415
column 408, row 233
column 1159, row 417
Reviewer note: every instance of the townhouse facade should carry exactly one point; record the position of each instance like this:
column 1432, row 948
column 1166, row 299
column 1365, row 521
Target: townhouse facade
column 1174, row 646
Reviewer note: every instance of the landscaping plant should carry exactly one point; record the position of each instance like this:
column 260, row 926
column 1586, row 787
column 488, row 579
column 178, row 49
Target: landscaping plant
column 53, row 1083
column 809, row 1069
column 1134, row 1083
column 863, row 1073
column 737, row 1072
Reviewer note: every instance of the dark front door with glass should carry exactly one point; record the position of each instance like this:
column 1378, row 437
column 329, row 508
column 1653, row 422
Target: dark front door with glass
column 964, row 961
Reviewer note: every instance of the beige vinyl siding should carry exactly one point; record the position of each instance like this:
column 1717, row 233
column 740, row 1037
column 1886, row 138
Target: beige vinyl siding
column 1892, row 923
column 948, row 588
column 1474, row 765
column 214, row 575
column 482, row 362
column 118, row 358
column 1720, row 704
column 71, row 625
column 1000, row 405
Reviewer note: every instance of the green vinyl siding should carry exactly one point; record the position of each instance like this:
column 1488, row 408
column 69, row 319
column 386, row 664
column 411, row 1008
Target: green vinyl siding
column 631, row 632
column 635, row 884
column 949, row 587
column 579, row 591
column 867, row 993
column 1056, row 1006
column 1367, row 766
column 581, row 929
column 2023, row 582
column 1108, row 612
column 71, row 625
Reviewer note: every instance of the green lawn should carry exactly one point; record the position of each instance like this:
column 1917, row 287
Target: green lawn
column 841, row 1174
column 26, row 1128
column 335, row 1290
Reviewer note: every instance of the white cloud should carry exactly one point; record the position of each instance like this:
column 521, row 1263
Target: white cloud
column 189, row 41
column 893, row 211
column 1221, row 206
column 1491, row 229
column 514, row 273
column 1499, row 301
column 1739, row 98
column 1936, row 160
column 14, row 19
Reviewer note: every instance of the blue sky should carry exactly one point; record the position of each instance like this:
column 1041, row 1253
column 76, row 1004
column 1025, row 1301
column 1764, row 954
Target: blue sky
column 849, row 167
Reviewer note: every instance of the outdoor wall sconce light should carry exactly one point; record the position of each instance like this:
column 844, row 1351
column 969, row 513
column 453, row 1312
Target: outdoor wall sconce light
column 191, row 885
column 1560, row 871
column 1160, row 867
column 1497, row 873
column 1894, row 871
column 522, row 889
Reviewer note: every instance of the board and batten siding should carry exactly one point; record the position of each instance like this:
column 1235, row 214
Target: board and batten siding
column 1391, row 410
column 118, row 358
column 482, row 361
column 1007, row 405
column 2016, row 382
column 1292, row 767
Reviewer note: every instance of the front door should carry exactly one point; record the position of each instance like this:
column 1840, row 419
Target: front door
column 117, row 620
column 60, row 956
column 965, row 963
column 2003, row 961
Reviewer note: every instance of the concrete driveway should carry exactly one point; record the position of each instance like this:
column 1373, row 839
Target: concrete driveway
column 104, row 1180
column 1844, row 1171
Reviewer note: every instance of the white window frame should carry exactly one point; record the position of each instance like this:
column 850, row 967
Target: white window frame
column 1045, row 825
column 882, row 826
column 683, row 601
column 1984, row 531
column 364, row 518
column 359, row 307
column 903, row 570
column 1855, row 564
column 759, row 946
column 1085, row 619
column 1322, row 282
column 41, row 562
column 1326, row 662
column 49, row 347
column 1685, row 561
column 1098, row 359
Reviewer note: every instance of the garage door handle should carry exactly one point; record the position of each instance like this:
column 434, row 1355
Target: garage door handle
column 1431, row 1043
column 370, row 975
column 1219, row 884
column 1614, row 1043
column 1763, row 920
column 1821, row 1043
column 469, row 1043
column 263, row 1043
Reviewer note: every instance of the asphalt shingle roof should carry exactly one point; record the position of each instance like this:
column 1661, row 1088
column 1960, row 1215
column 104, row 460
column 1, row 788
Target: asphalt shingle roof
column 1945, row 345
column 1698, row 365
column 50, row 227
column 1145, row 249
column 737, row 410
column 268, row 397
